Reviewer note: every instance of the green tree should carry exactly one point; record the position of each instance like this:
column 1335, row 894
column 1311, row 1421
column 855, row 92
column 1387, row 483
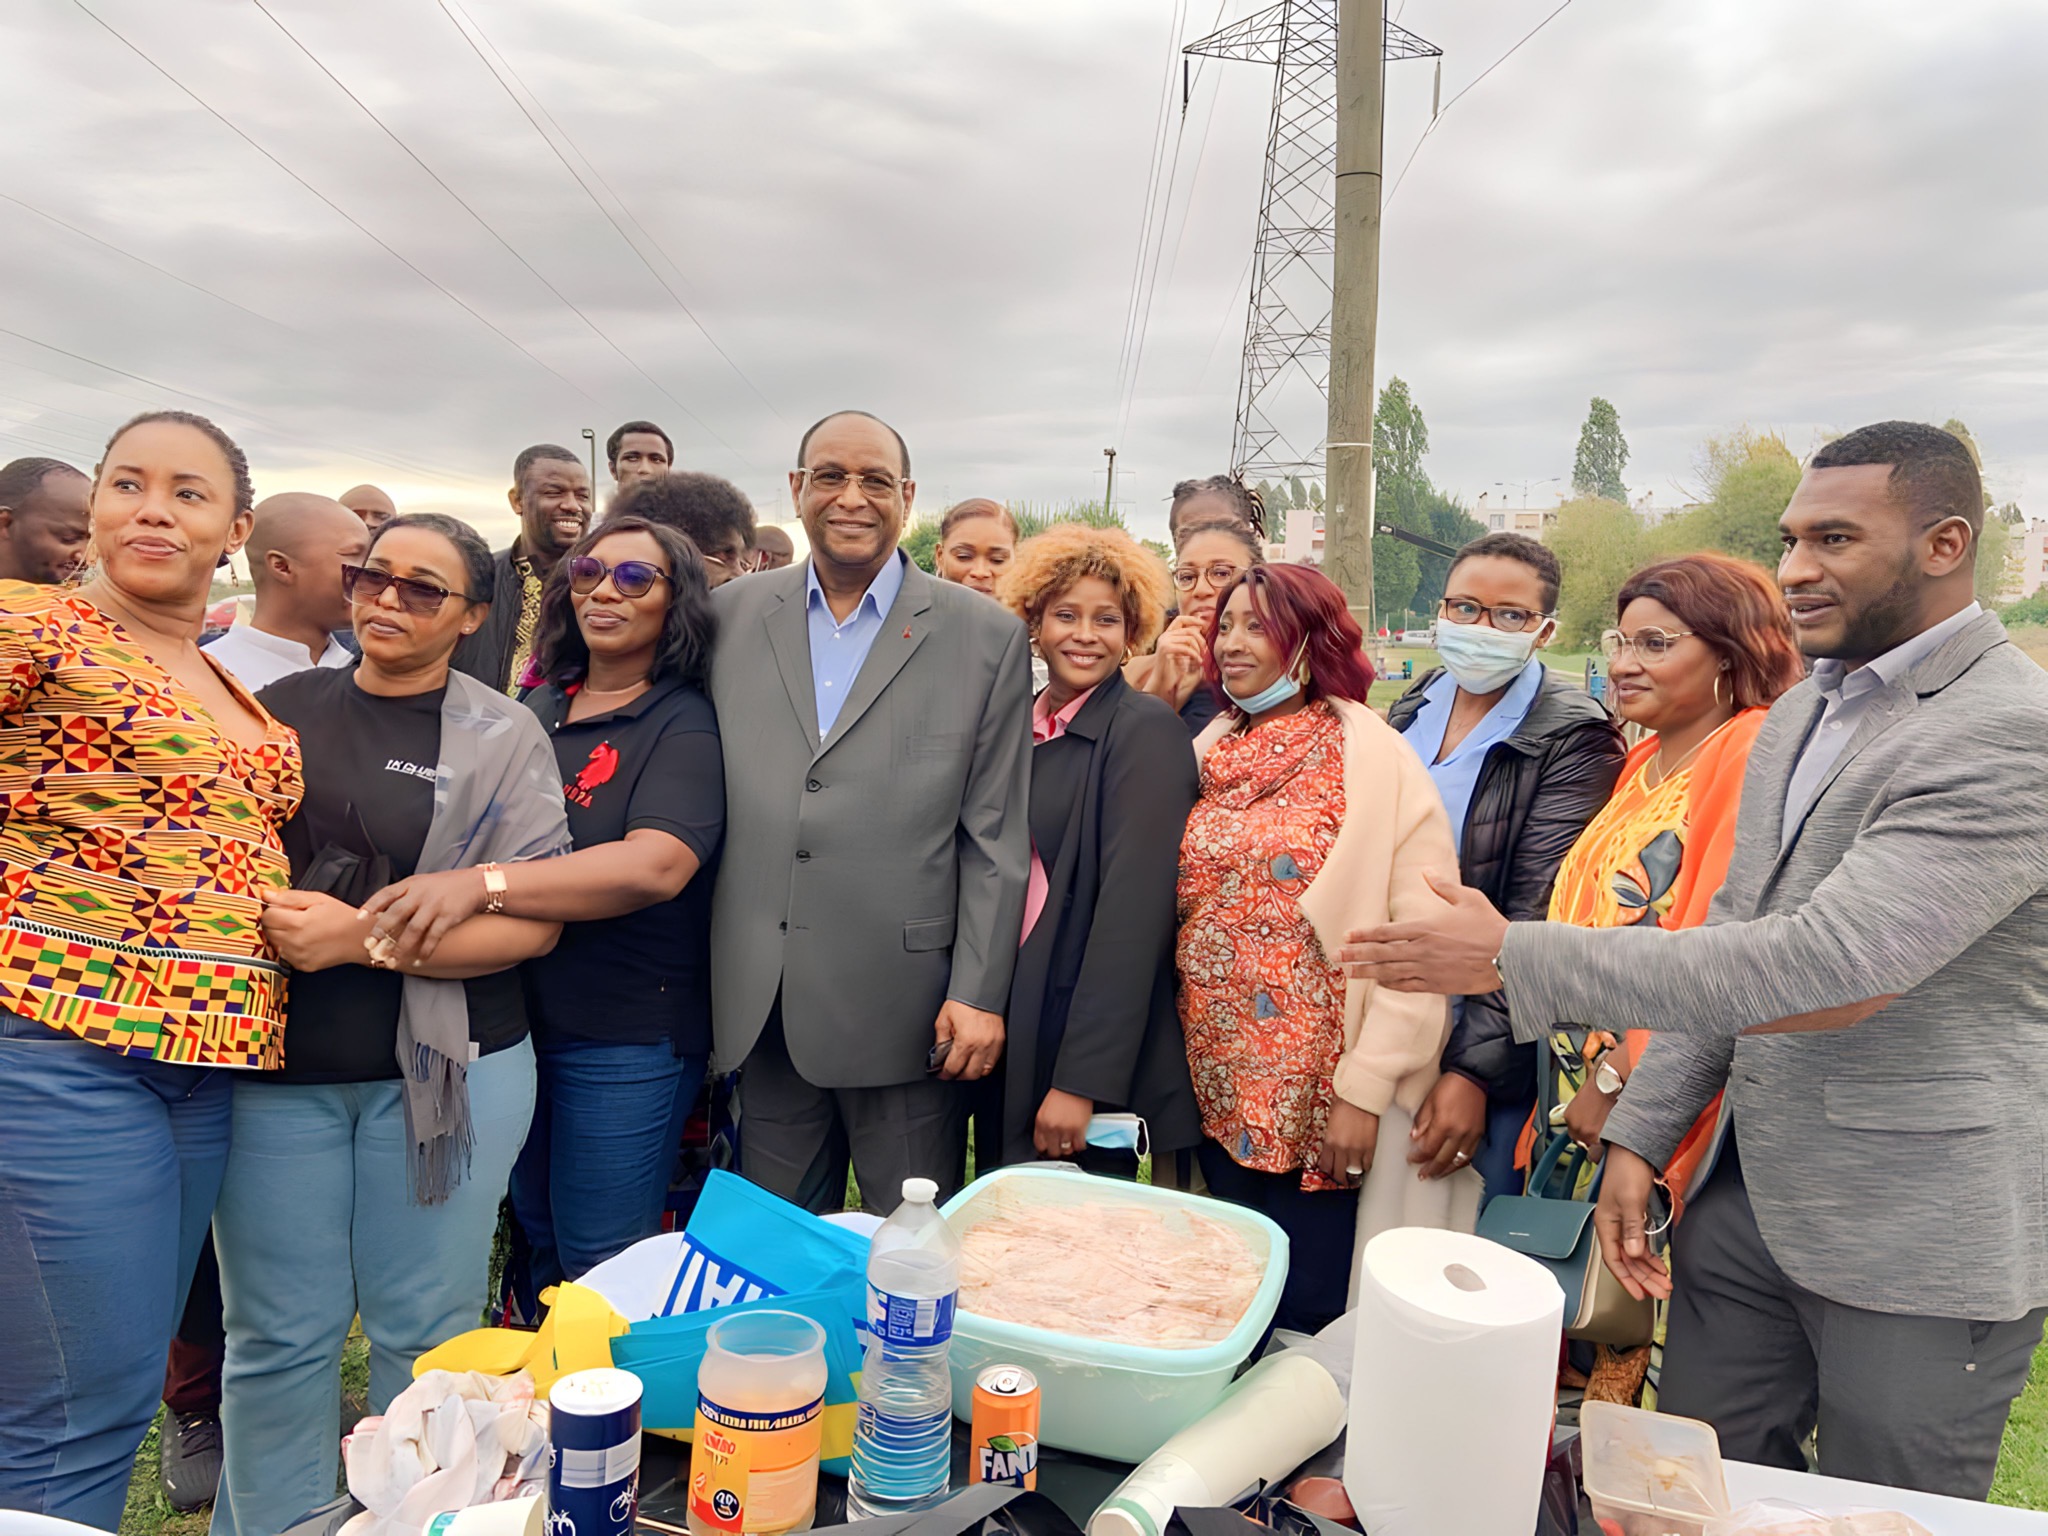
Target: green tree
column 1400, row 438
column 1402, row 496
column 2027, row 613
column 1749, row 478
column 1448, row 523
column 1602, row 455
column 920, row 541
column 1997, row 561
column 1598, row 543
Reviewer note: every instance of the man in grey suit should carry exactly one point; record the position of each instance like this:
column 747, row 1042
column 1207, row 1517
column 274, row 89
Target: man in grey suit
column 877, row 736
column 1871, row 988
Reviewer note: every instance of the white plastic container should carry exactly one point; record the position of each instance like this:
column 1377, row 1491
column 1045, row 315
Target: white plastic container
column 1269, row 1421
column 1120, row 1401
column 1650, row 1474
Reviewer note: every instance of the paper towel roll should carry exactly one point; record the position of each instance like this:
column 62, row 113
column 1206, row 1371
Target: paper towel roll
column 1453, row 1387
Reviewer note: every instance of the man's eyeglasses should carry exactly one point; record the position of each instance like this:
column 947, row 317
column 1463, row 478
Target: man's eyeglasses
column 1649, row 643
column 366, row 584
column 1509, row 620
column 874, row 485
column 630, row 578
column 1220, row 575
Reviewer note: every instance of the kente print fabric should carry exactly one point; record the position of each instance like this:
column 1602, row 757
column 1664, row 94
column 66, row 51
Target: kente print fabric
column 528, row 627
column 1624, row 865
column 1260, row 1003
column 135, row 840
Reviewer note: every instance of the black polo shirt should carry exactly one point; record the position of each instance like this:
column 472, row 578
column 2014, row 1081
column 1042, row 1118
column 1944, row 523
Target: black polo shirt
column 646, row 975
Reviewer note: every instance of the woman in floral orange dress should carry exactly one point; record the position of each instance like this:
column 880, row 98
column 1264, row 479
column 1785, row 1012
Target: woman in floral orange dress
column 1312, row 811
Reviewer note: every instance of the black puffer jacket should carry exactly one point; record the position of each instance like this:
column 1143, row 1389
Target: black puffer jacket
column 1536, row 792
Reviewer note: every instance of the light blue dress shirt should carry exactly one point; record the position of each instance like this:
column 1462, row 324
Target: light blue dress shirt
column 837, row 650
column 1457, row 776
column 1850, row 696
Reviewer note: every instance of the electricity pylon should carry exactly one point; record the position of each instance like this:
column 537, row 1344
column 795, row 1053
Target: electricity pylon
column 1283, row 387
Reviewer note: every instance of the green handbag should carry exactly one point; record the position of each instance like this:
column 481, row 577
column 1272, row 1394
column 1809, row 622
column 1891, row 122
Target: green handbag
column 1554, row 1226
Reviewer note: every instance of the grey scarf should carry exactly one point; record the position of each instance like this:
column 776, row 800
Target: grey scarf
column 497, row 800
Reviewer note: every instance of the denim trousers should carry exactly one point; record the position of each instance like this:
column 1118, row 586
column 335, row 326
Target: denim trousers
column 316, row 1226
column 594, row 1176
column 108, row 1169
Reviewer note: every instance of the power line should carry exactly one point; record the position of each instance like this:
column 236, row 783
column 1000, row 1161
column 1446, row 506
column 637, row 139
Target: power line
column 162, row 388
column 1153, row 167
column 362, row 228
column 464, row 204
column 1445, row 109
column 466, row 25
column 44, row 213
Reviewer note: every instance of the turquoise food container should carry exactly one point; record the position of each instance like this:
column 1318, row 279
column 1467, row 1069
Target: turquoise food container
column 1120, row 1401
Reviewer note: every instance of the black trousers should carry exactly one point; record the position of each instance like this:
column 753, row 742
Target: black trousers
column 1320, row 1227
column 796, row 1139
column 1910, row 1402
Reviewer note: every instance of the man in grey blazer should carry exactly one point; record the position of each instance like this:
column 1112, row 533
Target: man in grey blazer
column 1866, row 1254
column 877, row 735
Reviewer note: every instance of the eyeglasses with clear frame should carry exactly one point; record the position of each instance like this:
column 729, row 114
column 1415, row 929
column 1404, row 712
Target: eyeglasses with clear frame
column 1650, row 643
column 1220, row 573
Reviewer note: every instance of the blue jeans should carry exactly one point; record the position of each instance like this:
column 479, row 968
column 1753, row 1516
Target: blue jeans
column 317, row 1225
column 108, row 1169
column 594, row 1175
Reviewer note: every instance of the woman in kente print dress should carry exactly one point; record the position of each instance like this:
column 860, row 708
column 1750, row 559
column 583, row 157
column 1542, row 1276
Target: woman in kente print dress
column 142, row 795
column 1313, row 813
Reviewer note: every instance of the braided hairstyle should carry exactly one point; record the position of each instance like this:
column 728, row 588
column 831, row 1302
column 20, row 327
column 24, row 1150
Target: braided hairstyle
column 1245, row 501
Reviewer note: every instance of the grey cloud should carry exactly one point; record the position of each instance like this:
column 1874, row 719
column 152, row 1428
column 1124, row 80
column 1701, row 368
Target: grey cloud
column 1802, row 217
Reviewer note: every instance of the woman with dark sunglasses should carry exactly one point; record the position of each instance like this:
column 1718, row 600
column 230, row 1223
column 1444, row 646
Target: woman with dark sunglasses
column 364, row 1176
column 622, row 1006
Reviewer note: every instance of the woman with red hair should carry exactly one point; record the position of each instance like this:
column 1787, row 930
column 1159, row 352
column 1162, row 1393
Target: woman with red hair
column 1701, row 649
column 1313, row 813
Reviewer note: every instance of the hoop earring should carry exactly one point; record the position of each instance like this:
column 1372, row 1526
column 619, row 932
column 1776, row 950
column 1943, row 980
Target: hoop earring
column 1717, row 688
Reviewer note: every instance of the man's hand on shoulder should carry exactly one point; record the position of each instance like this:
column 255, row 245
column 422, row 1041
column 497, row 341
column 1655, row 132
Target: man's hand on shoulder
column 973, row 1041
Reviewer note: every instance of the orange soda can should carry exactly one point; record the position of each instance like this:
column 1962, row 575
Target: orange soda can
column 1005, row 1427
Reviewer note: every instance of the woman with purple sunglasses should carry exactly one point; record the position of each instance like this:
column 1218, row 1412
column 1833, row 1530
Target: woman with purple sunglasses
column 621, row 1008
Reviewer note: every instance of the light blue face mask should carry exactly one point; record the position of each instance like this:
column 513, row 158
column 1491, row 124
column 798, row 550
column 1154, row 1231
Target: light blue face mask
column 1275, row 693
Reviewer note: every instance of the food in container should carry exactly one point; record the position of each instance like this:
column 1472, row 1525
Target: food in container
column 1650, row 1474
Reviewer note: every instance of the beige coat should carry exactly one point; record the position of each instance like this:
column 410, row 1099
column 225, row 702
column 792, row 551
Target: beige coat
column 1395, row 831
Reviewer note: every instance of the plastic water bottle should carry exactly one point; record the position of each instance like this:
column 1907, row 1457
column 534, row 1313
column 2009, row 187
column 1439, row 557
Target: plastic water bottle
column 903, row 1442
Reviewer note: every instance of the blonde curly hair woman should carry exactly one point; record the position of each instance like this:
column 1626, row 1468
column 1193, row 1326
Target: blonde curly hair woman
column 1091, row 1022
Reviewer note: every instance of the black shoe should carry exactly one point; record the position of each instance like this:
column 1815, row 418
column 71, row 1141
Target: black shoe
column 188, row 1460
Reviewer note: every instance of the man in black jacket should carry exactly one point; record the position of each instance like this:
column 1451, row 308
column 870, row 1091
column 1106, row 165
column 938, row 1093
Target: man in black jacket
column 551, row 493
column 1523, row 761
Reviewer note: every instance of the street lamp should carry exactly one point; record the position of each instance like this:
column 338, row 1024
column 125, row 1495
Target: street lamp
column 1528, row 485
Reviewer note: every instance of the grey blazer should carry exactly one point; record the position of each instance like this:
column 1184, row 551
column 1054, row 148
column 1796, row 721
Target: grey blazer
column 1897, row 1165
column 873, row 876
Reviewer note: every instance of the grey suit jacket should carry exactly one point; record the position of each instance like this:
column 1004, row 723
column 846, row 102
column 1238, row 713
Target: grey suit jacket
column 1900, row 1165
column 873, row 876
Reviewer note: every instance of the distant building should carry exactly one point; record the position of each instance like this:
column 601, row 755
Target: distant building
column 2031, row 568
column 1501, row 518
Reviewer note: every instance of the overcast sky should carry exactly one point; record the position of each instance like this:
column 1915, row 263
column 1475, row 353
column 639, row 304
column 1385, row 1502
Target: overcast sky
column 1801, row 217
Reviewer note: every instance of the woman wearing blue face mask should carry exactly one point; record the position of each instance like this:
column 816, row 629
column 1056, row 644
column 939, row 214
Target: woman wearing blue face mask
column 1311, row 813
column 1523, row 762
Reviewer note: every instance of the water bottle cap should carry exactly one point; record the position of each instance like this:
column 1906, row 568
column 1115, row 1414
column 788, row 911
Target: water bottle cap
column 920, row 1191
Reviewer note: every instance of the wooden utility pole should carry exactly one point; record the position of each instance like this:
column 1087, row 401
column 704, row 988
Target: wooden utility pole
column 1109, row 490
column 1355, row 303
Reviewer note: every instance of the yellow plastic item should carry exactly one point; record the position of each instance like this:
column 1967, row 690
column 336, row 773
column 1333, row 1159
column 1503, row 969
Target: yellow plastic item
column 576, row 1336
